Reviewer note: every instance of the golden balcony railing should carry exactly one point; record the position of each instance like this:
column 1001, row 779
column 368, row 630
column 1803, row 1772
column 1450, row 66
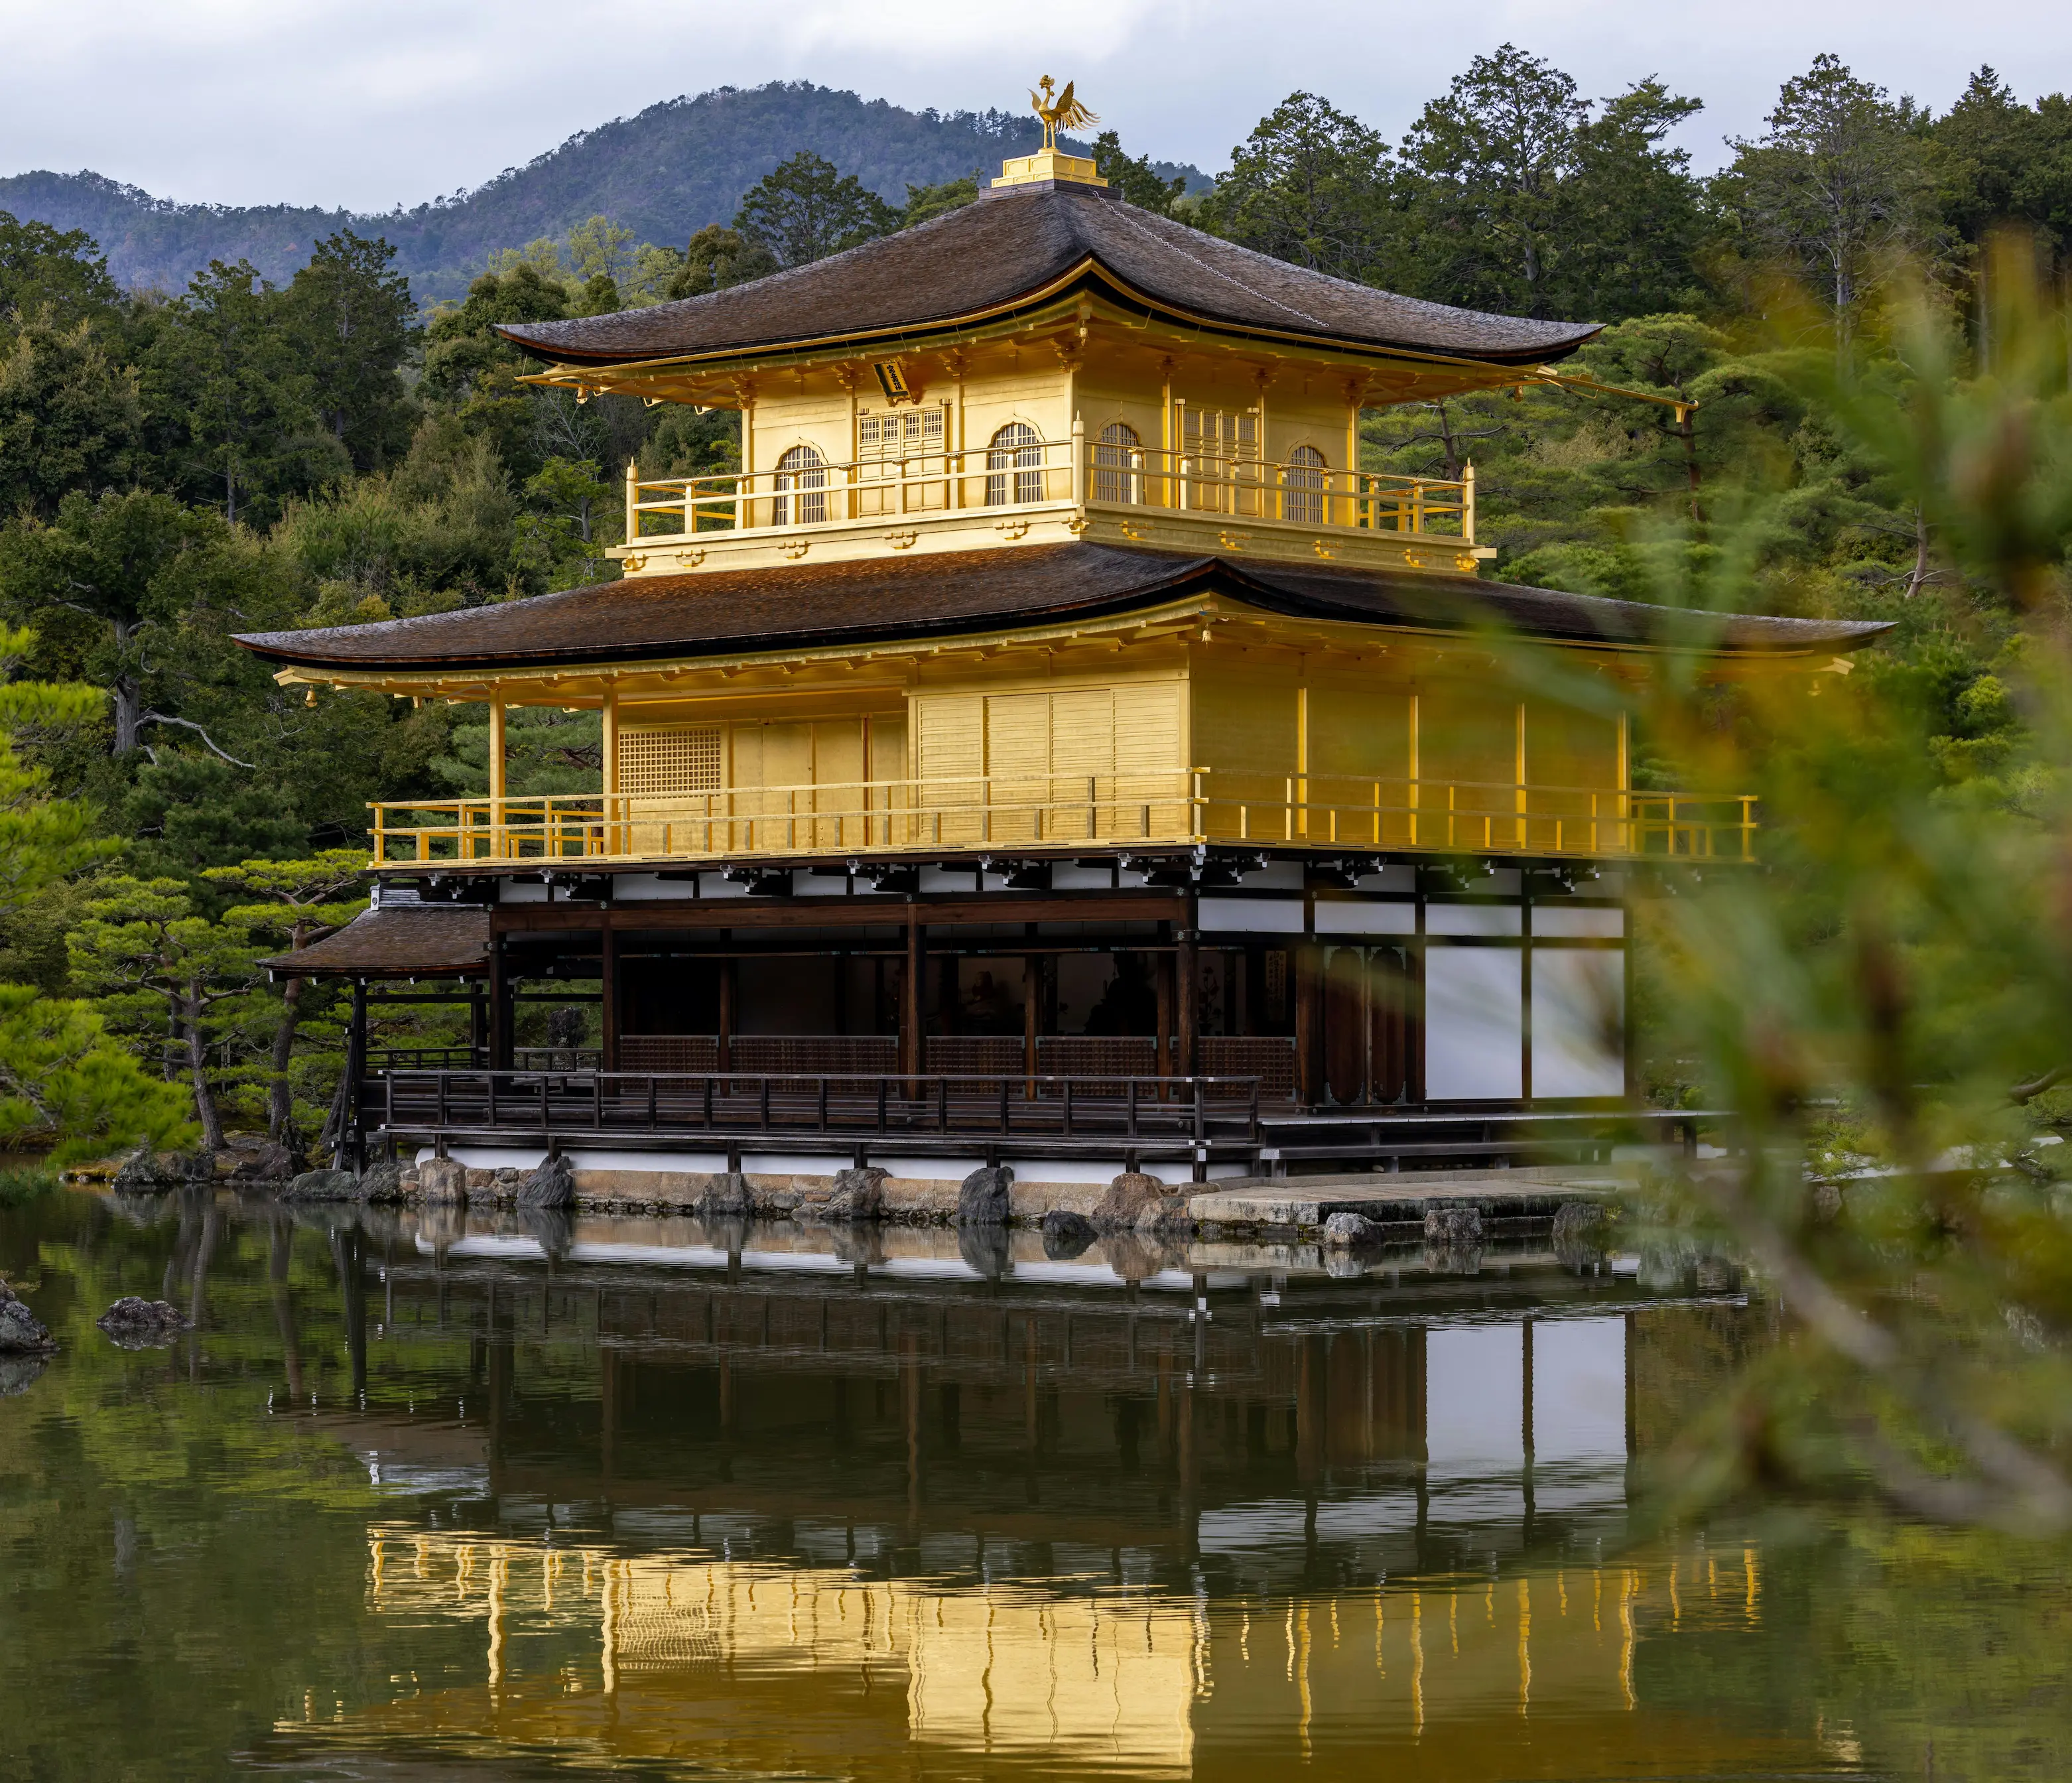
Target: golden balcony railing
column 1061, row 811
column 927, row 479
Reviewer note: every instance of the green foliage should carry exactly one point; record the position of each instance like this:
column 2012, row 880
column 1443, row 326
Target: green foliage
column 1311, row 184
column 1897, row 984
column 350, row 317
column 544, row 751
column 187, row 814
column 925, row 203
column 1518, row 201
column 1838, row 190
column 574, row 515
column 1137, row 180
column 55, row 270
column 292, row 903
column 157, row 968
column 70, row 417
column 807, row 208
column 65, row 1084
column 718, row 257
column 233, row 400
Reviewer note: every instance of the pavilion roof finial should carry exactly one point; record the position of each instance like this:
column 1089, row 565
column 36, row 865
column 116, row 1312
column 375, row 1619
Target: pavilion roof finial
column 1065, row 113
column 1062, row 113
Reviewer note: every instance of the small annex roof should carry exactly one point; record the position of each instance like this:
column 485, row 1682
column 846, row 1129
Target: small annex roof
column 1020, row 245
column 730, row 612
column 411, row 941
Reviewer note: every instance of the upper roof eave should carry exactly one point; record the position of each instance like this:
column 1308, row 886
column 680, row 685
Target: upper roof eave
column 1009, row 247
column 922, row 334
column 869, row 603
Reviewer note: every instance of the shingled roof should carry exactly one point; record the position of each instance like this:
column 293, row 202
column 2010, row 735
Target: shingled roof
column 730, row 612
column 412, row 941
column 1019, row 244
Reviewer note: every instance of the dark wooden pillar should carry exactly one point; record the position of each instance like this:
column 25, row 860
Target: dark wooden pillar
column 1161, row 977
column 912, row 1022
column 607, row 1007
column 730, row 987
column 1032, row 1019
column 1187, row 1001
column 1309, row 1054
column 503, row 1028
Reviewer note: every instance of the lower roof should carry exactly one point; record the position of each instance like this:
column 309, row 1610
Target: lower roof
column 728, row 611
column 411, row 941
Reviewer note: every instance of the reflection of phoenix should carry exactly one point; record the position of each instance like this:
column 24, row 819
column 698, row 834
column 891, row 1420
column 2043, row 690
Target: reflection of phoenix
column 1066, row 114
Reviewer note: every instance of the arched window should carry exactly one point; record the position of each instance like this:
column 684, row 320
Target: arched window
column 802, row 468
column 1118, row 464
column 1304, row 482
column 1016, row 448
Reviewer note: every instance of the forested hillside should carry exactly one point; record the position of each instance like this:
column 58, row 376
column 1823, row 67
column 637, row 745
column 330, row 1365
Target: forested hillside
column 256, row 454
column 663, row 174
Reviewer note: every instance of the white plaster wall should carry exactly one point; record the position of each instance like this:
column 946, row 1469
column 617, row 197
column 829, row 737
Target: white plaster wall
column 1578, row 1021
column 1474, row 1023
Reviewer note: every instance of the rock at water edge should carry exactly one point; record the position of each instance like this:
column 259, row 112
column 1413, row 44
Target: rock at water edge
column 552, row 1186
column 984, row 1197
column 22, row 1332
column 1345, row 1230
column 1123, row 1205
column 1066, row 1235
column 322, row 1185
column 442, row 1180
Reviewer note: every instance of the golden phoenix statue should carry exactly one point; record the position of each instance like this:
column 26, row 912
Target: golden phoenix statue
column 1067, row 114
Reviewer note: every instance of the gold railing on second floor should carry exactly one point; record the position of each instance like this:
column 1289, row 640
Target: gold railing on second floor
column 797, row 495
column 918, row 817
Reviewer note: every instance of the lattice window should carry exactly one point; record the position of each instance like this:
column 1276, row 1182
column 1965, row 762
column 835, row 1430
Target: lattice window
column 882, row 441
column 1016, row 448
column 675, row 759
column 1304, row 482
column 1222, row 448
column 1118, row 457
column 801, row 468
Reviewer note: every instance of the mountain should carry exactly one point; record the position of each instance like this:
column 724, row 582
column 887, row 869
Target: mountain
column 663, row 174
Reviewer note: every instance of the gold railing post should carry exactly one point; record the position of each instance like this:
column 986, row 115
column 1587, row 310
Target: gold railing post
column 496, row 782
column 613, row 841
column 632, row 502
column 1468, row 503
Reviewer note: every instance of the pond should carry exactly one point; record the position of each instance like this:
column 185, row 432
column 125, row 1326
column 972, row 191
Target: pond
column 465, row 1497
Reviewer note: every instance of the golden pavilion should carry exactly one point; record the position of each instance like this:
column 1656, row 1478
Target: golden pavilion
column 1050, row 747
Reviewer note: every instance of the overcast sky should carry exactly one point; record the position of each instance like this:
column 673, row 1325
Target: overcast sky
column 371, row 103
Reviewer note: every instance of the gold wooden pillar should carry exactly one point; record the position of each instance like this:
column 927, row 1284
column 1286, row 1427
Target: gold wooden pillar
column 496, row 783
column 614, row 838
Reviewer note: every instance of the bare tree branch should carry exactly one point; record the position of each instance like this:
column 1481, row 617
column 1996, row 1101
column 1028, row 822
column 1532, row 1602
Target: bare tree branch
column 189, row 724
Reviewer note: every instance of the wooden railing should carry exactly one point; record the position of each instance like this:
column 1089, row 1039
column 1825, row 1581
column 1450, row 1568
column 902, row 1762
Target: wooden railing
column 1197, row 1111
column 991, row 812
column 1044, row 473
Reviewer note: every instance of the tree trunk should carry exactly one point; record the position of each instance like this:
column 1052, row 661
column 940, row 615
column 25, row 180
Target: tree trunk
column 280, row 1103
column 204, row 1093
column 1446, row 437
column 128, row 713
column 1687, row 432
column 1915, row 581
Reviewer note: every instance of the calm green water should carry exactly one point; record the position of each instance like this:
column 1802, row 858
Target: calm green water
column 640, row 1499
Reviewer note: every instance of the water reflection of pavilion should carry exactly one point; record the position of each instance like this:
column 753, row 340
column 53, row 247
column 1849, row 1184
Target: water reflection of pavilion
column 730, row 1496
column 1230, row 1409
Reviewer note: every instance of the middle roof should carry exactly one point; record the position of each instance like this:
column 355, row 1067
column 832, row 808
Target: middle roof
column 1020, row 245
